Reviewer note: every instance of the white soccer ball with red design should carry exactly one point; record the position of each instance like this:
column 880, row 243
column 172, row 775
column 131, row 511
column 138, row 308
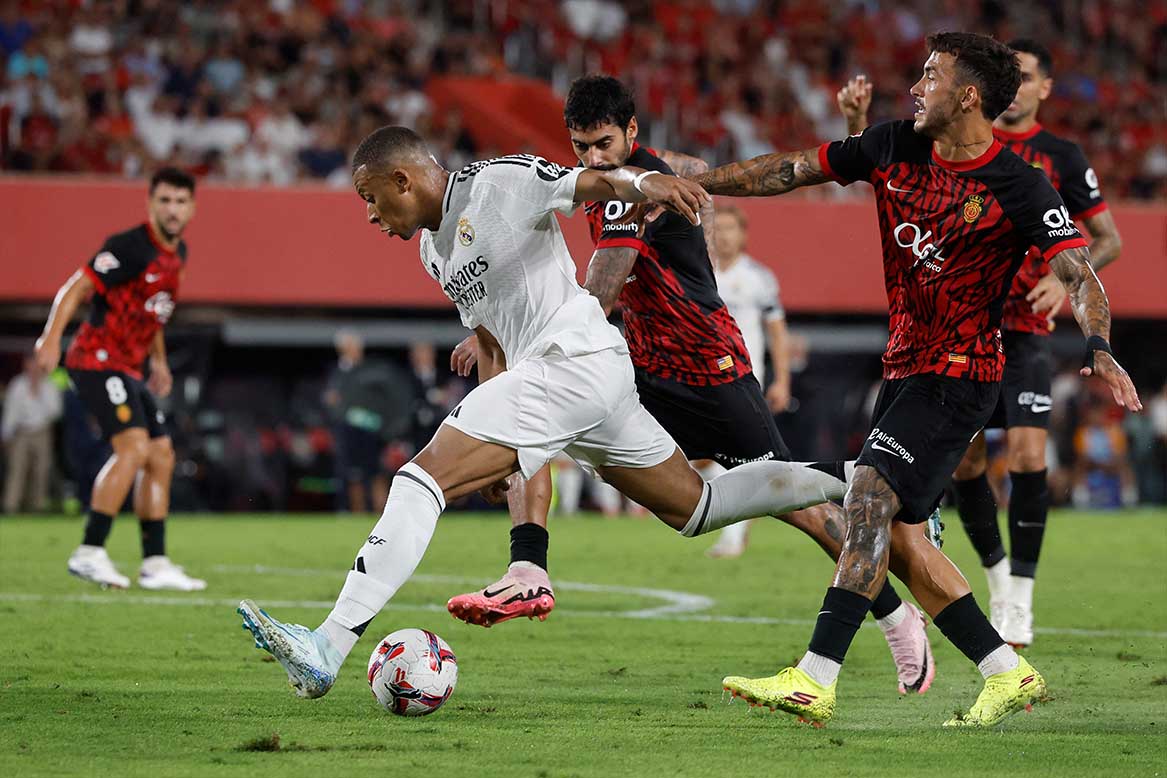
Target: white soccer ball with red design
column 412, row 672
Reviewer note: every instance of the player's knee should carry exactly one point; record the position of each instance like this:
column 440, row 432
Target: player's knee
column 1027, row 459
column 161, row 457
column 869, row 498
column 132, row 446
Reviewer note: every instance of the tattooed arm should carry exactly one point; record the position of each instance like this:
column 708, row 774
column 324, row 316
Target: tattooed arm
column 1105, row 242
column 607, row 273
column 687, row 167
column 1048, row 294
column 1092, row 310
column 769, row 174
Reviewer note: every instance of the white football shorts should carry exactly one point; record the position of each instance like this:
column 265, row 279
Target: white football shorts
column 584, row 406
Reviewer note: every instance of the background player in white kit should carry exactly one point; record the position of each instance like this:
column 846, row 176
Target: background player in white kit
column 555, row 376
column 750, row 291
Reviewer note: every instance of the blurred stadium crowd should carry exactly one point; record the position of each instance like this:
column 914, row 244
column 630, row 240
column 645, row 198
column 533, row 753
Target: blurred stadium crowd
column 278, row 90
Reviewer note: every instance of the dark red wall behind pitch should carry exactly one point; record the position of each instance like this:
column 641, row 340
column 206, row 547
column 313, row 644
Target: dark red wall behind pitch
column 311, row 246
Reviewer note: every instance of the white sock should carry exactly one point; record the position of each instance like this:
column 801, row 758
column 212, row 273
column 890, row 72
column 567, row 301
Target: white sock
column 389, row 556
column 760, row 489
column 569, row 480
column 1000, row 660
column 734, row 536
column 1021, row 591
column 998, row 577
column 822, row 669
column 893, row 619
column 607, row 497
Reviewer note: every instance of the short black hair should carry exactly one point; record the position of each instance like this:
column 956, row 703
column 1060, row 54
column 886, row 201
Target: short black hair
column 597, row 100
column 985, row 62
column 176, row 177
column 385, row 144
column 1045, row 60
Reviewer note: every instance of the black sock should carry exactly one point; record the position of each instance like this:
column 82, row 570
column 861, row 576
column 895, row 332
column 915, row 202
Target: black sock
column 529, row 544
column 97, row 528
column 838, row 621
column 978, row 514
column 1028, row 506
column 886, row 601
column 967, row 628
column 153, row 537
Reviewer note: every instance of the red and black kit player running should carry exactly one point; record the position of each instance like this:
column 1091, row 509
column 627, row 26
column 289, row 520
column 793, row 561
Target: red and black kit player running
column 1024, row 408
column 957, row 215
column 133, row 281
column 693, row 373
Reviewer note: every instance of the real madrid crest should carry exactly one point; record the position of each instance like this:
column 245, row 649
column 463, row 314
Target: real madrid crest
column 972, row 208
column 465, row 232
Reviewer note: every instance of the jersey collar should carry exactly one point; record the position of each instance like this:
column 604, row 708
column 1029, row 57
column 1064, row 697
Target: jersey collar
column 162, row 248
column 987, row 156
column 1015, row 136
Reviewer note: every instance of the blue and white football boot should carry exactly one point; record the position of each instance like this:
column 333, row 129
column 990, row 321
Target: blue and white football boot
column 309, row 657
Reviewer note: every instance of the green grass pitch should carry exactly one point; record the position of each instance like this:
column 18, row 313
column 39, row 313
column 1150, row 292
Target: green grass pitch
column 622, row 680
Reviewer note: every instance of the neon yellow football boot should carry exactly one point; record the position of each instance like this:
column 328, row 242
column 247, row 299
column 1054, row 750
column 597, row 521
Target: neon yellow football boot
column 1004, row 694
column 792, row 690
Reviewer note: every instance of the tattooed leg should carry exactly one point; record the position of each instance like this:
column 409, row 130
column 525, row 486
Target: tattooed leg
column 871, row 505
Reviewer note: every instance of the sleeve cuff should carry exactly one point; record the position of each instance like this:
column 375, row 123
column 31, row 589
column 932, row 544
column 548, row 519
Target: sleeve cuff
column 89, row 271
column 1072, row 243
column 825, row 164
column 622, row 243
column 1094, row 211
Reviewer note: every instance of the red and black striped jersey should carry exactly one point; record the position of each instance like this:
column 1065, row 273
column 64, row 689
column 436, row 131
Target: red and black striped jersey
column 1067, row 169
column 137, row 285
column 953, row 234
column 675, row 322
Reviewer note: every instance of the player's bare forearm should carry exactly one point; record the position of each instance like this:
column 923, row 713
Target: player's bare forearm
column 607, row 273
column 779, row 353
column 491, row 359
column 677, row 194
column 1105, row 242
column 158, row 348
column 871, row 504
column 1087, row 297
column 66, row 302
column 769, row 174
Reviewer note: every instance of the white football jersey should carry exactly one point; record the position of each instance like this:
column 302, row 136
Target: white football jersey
column 500, row 256
column 750, row 291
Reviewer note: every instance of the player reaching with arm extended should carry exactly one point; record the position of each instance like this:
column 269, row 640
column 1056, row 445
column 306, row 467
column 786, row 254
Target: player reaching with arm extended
column 693, row 374
column 1035, row 296
column 133, row 282
column 957, row 214
column 558, row 376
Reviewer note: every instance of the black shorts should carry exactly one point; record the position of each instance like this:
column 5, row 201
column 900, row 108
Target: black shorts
column 922, row 426
column 728, row 423
column 358, row 453
column 1025, row 388
column 118, row 402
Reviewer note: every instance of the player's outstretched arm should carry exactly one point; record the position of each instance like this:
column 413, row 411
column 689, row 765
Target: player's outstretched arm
column 1092, row 310
column 636, row 185
column 68, row 299
column 769, row 174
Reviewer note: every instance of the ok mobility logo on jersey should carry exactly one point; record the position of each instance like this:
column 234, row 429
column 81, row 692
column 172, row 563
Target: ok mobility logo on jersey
column 462, row 287
column 881, row 441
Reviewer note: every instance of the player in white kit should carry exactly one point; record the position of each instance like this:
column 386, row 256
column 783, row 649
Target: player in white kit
column 555, row 376
column 750, row 291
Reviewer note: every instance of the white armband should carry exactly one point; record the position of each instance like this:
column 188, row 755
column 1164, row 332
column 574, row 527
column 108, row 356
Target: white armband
column 636, row 181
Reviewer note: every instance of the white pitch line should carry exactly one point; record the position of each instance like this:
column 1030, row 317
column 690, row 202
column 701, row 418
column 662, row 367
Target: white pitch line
column 193, row 601
column 675, row 602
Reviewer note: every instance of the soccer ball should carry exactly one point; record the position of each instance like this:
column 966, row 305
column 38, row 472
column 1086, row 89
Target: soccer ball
column 412, row 672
